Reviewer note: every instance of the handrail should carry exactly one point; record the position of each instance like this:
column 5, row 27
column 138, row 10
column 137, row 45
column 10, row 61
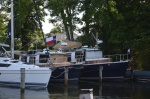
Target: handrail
column 118, row 57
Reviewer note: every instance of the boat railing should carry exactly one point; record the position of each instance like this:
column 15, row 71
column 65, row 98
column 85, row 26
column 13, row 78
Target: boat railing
column 47, row 62
column 118, row 57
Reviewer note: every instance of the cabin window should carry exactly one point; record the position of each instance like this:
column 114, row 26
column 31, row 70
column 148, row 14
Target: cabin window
column 4, row 65
column 24, row 59
column 32, row 60
column 69, row 57
column 80, row 56
column 43, row 58
column 32, row 52
column 14, row 61
column 5, row 60
column 2, row 54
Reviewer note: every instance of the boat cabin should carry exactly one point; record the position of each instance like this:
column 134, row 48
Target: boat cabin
column 34, row 57
column 83, row 55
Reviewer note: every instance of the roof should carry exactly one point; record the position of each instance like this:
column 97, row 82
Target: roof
column 70, row 45
column 62, row 36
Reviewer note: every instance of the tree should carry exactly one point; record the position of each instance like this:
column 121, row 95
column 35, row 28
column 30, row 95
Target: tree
column 135, row 27
column 3, row 22
column 64, row 12
column 25, row 21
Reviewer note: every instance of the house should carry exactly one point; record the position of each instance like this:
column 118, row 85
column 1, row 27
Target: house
column 62, row 36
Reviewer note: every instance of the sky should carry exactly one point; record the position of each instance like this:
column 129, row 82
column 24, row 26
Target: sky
column 46, row 26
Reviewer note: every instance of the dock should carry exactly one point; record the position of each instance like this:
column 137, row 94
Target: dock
column 138, row 75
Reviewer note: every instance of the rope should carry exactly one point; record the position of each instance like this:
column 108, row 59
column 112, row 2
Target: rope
column 59, row 75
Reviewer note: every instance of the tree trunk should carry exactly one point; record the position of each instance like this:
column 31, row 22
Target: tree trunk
column 70, row 24
column 65, row 24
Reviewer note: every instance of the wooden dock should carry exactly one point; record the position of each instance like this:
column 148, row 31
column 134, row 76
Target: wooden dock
column 138, row 75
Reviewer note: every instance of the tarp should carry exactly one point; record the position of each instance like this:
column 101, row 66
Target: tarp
column 69, row 45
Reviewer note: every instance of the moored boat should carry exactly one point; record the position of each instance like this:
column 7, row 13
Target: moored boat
column 61, row 68
column 113, row 66
column 10, row 69
column 10, row 73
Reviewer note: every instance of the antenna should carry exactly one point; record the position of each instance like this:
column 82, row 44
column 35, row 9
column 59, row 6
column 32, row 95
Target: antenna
column 97, row 40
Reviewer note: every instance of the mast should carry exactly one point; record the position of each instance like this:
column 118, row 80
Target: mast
column 12, row 29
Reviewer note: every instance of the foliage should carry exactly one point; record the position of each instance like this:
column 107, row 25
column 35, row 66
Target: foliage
column 26, row 25
column 64, row 12
column 57, row 29
column 136, row 29
column 3, row 21
column 121, row 24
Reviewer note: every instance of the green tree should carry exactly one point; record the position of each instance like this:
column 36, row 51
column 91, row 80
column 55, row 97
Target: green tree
column 3, row 21
column 64, row 12
column 136, row 29
column 25, row 22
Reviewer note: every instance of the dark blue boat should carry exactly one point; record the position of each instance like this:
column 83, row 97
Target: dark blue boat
column 112, row 71
column 89, row 60
column 73, row 74
column 114, row 66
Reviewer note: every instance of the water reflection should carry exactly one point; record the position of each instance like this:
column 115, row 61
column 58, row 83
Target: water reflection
column 109, row 90
column 115, row 90
column 119, row 90
column 61, row 91
column 16, row 93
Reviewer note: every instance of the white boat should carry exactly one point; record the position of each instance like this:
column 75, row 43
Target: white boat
column 10, row 72
column 10, row 68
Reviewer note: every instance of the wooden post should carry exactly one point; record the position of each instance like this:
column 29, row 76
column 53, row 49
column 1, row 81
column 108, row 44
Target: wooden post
column 66, row 91
column 100, row 73
column 22, row 83
column 100, row 90
column 132, row 73
column 66, row 76
column 86, row 94
column 22, row 94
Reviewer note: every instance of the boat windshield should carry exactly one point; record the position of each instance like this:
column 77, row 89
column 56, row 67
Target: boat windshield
column 43, row 58
column 4, row 65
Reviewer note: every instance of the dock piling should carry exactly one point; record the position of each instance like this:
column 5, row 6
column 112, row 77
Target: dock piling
column 22, row 83
column 66, row 76
column 100, row 73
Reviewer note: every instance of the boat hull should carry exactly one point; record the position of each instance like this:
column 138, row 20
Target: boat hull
column 111, row 71
column 33, row 77
column 58, row 74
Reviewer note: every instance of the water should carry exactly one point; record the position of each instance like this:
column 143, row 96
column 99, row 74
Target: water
column 115, row 90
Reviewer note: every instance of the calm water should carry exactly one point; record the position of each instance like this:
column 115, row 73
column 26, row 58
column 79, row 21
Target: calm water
column 117, row 90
